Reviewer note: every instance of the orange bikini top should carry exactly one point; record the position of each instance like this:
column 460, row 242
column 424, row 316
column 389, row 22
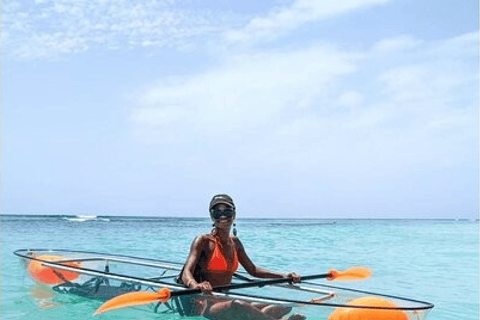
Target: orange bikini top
column 217, row 262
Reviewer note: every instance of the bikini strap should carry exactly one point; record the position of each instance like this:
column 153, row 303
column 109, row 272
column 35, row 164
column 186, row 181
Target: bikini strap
column 215, row 239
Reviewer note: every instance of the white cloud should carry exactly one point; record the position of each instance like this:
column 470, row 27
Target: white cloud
column 284, row 19
column 45, row 29
column 350, row 99
column 49, row 29
column 320, row 107
column 160, row 116
column 430, row 81
column 246, row 92
column 396, row 44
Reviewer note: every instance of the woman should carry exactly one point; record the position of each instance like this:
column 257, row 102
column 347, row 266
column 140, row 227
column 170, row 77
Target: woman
column 213, row 259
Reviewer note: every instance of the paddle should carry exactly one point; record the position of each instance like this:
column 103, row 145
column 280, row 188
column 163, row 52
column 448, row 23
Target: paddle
column 164, row 294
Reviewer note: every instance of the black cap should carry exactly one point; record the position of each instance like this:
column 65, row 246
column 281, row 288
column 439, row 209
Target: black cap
column 222, row 198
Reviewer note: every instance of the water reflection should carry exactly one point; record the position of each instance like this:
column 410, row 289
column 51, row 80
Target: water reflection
column 43, row 297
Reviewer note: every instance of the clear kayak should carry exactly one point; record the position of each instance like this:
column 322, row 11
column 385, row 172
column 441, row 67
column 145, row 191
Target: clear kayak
column 102, row 276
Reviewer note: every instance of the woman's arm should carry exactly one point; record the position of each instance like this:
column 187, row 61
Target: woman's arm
column 196, row 249
column 255, row 271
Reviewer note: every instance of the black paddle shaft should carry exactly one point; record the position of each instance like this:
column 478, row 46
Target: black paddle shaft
column 249, row 284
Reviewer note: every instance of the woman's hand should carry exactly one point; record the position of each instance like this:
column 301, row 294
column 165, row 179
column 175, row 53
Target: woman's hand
column 205, row 286
column 293, row 276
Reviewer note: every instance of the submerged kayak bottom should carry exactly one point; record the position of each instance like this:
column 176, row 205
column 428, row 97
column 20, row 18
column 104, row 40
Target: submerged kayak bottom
column 99, row 288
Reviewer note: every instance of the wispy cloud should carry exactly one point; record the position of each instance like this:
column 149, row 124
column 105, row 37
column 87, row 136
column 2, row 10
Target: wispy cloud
column 284, row 19
column 44, row 29
column 52, row 28
column 298, row 100
column 246, row 91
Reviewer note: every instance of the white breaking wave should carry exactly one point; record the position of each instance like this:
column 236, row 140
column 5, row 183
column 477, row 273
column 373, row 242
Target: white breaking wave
column 82, row 218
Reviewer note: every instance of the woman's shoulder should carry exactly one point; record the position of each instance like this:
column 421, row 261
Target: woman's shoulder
column 237, row 241
column 203, row 239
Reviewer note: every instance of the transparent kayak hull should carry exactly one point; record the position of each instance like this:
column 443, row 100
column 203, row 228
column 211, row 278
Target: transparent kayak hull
column 102, row 276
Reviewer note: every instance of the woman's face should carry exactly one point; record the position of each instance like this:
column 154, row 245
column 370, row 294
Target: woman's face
column 221, row 215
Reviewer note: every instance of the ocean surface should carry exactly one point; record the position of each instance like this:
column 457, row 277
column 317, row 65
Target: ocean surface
column 429, row 260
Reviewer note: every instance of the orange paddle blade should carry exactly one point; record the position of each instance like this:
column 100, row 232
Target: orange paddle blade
column 134, row 299
column 354, row 273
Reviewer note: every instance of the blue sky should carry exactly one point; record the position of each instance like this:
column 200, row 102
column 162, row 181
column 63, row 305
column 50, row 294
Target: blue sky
column 308, row 108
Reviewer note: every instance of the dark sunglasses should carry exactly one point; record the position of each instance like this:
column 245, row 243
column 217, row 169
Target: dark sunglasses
column 217, row 213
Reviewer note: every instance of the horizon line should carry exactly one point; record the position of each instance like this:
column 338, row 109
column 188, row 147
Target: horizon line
column 454, row 218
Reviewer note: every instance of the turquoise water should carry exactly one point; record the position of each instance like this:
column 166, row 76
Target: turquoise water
column 429, row 260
